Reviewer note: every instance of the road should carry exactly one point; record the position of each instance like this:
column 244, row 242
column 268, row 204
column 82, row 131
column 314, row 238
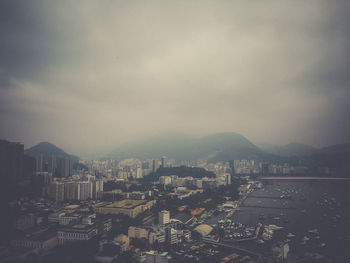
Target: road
column 234, row 247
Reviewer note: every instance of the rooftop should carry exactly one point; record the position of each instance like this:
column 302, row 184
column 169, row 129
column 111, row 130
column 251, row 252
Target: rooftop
column 182, row 217
column 40, row 237
column 204, row 229
column 127, row 204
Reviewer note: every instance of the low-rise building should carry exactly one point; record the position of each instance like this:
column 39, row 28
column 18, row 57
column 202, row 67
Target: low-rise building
column 64, row 218
column 158, row 236
column 128, row 207
column 25, row 221
column 122, row 239
column 76, row 233
column 155, row 257
column 43, row 240
column 137, row 232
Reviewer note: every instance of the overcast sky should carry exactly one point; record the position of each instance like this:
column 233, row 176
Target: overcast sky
column 90, row 75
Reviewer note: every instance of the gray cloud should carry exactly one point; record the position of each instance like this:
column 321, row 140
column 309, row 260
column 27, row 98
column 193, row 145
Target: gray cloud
column 91, row 75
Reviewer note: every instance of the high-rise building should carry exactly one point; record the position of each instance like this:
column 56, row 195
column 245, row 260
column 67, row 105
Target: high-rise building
column 39, row 180
column 164, row 162
column 56, row 191
column 39, row 163
column 63, row 167
column 97, row 189
column 232, row 166
column 265, row 168
column 46, row 163
column 85, row 190
column 155, row 165
column 227, row 179
column 71, row 190
column 29, row 166
column 171, row 236
column 11, row 160
column 164, row 217
column 138, row 172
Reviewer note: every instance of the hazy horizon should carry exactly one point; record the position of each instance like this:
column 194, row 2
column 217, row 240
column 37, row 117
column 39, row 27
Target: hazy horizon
column 89, row 76
column 162, row 137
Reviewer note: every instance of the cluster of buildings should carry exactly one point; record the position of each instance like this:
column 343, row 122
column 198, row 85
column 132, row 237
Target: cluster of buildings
column 169, row 231
column 68, row 189
column 50, row 226
column 74, row 206
column 253, row 167
column 127, row 169
column 286, row 169
column 247, row 167
column 59, row 166
column 131, row 169
column 205, row 182
column 82, row 222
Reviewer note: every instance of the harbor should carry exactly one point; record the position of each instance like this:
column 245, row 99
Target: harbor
column 310, row 216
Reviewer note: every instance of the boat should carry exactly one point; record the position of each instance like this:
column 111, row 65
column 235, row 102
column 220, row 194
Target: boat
column 274, row 227
column 290, row 235
column 313, row 231
column 304, row 240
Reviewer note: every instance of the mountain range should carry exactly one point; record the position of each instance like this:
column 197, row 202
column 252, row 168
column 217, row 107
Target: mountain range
column 217, row 147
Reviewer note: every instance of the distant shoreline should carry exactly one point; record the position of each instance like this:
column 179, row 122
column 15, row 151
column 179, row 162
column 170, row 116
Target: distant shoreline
column 304, row 178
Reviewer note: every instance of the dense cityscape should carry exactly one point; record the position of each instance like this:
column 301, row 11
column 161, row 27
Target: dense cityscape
column 174, row 131
column 61, row 208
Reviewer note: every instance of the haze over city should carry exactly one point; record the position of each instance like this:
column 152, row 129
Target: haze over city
column 89, row 76
column 174, row 131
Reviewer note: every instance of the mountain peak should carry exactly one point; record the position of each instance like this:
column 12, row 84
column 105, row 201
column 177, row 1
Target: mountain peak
column 47, row 149
column 220, row 146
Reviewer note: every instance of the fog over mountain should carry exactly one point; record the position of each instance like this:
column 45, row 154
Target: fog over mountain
column 215, row 148
column 94, row 75
column 291, row 149
column 48, row 149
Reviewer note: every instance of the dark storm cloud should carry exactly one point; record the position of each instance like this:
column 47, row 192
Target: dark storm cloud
column 90, row 75
column 22, row 34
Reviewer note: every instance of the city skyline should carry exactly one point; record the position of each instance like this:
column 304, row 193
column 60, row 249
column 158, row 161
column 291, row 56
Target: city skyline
column 174, row 131
column 90, row 77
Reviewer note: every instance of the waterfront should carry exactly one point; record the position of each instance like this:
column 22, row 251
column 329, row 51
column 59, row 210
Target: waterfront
column 314, row 215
